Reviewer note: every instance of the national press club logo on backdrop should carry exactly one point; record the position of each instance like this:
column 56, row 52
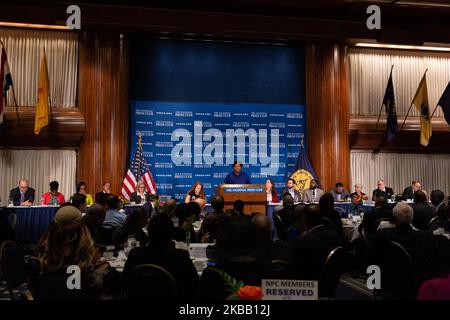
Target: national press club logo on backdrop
column 200, row 141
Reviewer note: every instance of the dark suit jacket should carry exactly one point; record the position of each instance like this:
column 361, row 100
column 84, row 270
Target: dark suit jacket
column 405, row 235
column 423, row 213
column 176, row 261
column 15, row 195
column 312, row 249
column 279, row 250
column 387, row 194
column 136, row 198
column 408, row 193
column 100, row 197
column 373, row 216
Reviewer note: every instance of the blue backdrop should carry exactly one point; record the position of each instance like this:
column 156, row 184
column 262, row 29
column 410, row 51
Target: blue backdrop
column 202, row 105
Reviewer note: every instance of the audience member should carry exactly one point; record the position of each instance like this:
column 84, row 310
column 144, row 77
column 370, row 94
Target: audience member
column 326, row 204
column 314, row 246
column 423, row 213
column 161, row 251
column 135, row 222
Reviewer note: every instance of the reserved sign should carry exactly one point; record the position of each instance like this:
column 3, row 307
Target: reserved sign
column 273, row 289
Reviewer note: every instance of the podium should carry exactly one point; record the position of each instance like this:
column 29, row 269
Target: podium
column 253, row 195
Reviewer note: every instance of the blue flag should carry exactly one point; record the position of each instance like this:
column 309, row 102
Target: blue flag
column 303, row 171
column 389, row 104
column 444, row 103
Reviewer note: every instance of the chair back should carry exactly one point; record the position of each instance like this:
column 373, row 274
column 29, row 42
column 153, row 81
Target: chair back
column 13, row 266
column 331, row 272
column 279, row 226
column 328, row 223
column 341, row 211
column 376, row 225
column 434, row 223
column 398, row 280
column 150, row 282
column 283, row 270
column 12, row 219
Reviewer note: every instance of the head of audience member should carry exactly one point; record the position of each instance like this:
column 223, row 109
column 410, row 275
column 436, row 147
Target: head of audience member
column 358, row 188
column 381, row 202
column 140, row 187
column 67, row 243
column 313, row 184
column 263, row 227
column 270, row 186
column 106, row 188
column 82, row 187
column 290, row 183
column 54, row 186
column 237, row 240
column 288, row 200
column 217, row 203
column 238, row 206
column 170, row 206
column 420, row 196
column 193, row 209
column 436, row 197
column 23, row 185
column 339, row 187
column 67, row 212
column 112, row 202
column 160, row 229
column 237, row 168
column 96, row 215
column 138, row 217
column 201, row 202
column 79, row 201
column 326, row 202
column 444, row 215
column 381, row 185
column 297, row 217
column 403, row 214
column 415, row 185
column 197, row 188
column 312, row 216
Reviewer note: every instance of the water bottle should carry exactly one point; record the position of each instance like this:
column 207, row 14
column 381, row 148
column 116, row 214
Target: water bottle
column 350, row 218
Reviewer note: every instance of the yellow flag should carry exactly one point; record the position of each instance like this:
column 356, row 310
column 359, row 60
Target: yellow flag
column 421, row 102
column 41, row 117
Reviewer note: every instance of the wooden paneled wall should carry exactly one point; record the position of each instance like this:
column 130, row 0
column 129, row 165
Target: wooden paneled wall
column 65, row 129
column 327, row 112
column 103, row 99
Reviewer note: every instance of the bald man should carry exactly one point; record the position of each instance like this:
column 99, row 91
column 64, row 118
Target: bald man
column 23, row 195
column 382, row 191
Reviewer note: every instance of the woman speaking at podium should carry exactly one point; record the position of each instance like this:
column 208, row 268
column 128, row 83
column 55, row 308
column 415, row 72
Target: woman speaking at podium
column 237, row 176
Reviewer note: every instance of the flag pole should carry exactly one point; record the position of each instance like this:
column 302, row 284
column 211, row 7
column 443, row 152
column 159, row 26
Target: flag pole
column 434, row 111
column 412, row 102
column 49, row 89
column 381, row 107
column 13, row 92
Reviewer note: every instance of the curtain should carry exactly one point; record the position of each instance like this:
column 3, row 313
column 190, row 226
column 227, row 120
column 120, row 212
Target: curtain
column 25, row 50
column 39, row 167
column 369, row 73
column 399, row 170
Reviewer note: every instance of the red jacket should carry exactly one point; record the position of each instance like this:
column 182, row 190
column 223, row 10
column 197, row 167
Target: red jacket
column 45, row 200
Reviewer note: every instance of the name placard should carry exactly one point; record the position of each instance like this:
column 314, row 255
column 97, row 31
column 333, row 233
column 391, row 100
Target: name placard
column 240, row 190
column 275, row 289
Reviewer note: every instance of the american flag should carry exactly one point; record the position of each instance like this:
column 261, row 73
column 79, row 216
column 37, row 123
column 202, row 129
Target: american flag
column 138, row 171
